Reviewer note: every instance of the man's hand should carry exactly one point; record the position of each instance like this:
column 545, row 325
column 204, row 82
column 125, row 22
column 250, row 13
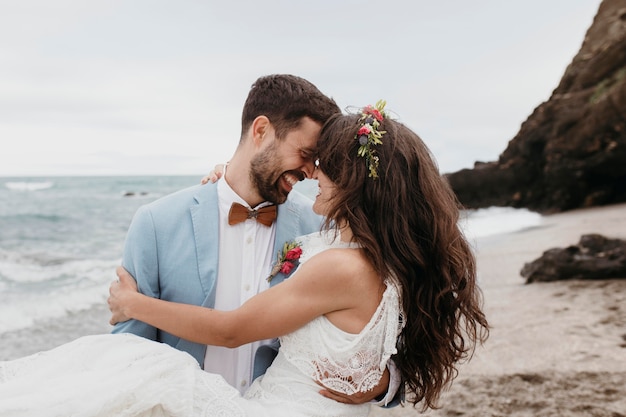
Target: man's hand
column 359, row 397
column 120, row 292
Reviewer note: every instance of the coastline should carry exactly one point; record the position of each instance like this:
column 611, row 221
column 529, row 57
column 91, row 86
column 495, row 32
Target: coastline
column 556, row 348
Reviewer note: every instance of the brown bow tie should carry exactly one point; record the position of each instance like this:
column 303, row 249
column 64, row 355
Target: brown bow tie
column 238, row 213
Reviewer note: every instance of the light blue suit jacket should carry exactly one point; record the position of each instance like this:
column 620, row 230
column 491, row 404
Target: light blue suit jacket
column 172, row 251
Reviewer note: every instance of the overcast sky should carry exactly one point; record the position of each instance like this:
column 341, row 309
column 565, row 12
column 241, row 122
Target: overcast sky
column 117, row 87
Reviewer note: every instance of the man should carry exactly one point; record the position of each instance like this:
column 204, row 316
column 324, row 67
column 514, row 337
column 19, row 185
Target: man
column 184, row 247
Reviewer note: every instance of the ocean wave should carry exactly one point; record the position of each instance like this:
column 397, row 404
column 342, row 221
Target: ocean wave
column 25, row 219
column 28, row 185
column 497, row 220
column 22, row 313
column 37, row 259
column 35, row 293
column 22, row 269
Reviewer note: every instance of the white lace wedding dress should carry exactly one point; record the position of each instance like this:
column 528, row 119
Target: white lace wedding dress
column 125, row 375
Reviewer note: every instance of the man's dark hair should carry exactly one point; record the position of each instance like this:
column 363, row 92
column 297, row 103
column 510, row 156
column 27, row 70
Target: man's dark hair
column 285, row 99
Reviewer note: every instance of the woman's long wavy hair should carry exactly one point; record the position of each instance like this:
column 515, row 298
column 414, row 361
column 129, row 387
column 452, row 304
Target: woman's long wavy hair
column 406, row 221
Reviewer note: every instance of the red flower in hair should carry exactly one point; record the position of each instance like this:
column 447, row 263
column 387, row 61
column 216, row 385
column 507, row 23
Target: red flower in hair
column 364, row 130
column 374, row 112
column 370, row 136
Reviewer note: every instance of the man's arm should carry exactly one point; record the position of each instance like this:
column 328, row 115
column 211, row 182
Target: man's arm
column 140, row 259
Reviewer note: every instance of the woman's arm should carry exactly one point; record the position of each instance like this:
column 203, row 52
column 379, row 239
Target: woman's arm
column 324, row 284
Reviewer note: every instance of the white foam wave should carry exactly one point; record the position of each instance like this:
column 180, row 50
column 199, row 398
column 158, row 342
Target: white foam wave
column 28, row 269
column 26, row 311
column 33, row 293
column 497, row 220
column 28, row 185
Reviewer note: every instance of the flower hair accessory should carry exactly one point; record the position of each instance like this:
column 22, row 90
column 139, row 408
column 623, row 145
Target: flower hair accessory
column 369, row 136
column 287, row 259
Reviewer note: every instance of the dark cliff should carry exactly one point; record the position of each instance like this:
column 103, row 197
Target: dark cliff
column 571, row 151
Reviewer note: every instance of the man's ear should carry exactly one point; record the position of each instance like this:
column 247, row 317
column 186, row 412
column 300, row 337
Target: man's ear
column 261, row 127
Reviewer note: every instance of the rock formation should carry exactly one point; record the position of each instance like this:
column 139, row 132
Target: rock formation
column 571, row 151
column 594, row 257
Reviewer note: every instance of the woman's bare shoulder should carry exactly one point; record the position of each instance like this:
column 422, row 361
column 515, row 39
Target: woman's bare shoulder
column 348, row 266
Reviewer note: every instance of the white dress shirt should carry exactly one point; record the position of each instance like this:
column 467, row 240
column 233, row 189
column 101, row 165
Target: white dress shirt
column 245, row 258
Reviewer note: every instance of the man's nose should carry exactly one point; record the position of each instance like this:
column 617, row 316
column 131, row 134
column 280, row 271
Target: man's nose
column 309, row 168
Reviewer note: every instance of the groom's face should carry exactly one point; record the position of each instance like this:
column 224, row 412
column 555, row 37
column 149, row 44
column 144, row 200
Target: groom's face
column 277, row 167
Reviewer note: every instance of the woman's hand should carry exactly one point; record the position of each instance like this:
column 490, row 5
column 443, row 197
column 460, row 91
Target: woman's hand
column 121, row 296
column 215, row 174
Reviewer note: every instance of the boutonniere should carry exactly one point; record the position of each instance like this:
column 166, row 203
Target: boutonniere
column 287, row 259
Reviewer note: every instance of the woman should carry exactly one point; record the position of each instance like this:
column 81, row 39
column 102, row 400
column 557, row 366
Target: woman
column 390, row 275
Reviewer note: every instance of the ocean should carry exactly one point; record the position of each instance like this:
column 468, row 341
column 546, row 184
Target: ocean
column 62, row 237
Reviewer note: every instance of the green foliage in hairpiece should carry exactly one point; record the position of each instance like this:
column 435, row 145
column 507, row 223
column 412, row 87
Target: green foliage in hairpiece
column 369, row 136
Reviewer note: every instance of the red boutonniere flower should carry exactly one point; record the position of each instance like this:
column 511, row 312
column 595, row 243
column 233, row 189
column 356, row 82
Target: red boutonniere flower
column 287, row 259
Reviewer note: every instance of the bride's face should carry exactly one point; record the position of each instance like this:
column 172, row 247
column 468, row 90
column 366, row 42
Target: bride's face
column 325, row 194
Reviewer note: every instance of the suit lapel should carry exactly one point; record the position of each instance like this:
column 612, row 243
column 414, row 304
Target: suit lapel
column 205, row 219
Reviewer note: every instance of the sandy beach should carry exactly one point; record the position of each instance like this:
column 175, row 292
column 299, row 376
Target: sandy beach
column 555, row 349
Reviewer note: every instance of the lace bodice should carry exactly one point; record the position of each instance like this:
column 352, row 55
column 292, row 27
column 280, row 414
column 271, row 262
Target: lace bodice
column 342, row 361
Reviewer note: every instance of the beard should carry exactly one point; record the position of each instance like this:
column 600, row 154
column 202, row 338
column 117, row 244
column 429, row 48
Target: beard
column 265, row 175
